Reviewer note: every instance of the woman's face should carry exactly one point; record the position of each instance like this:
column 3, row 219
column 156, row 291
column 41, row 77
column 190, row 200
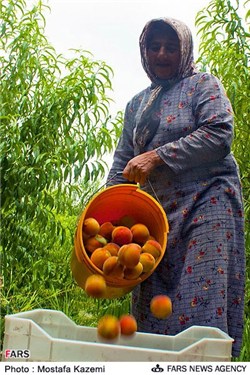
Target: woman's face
column 163, row 53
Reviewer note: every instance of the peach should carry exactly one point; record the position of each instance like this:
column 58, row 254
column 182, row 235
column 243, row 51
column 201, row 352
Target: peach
column 94, row 242
column 151, row 237
column 121, row 235
column 95, row 286
column 112, row 247
column 140, row 233
column 129, row 255
column 127, row 221
column 148, row 262
column 90, row 226
column 85, row 236
column 133, row 273
column 152, row 247
column 106, row 230
column 99, row 256
column 112, row 267
column 161, row 306
column 108, row 327
column 128, row 324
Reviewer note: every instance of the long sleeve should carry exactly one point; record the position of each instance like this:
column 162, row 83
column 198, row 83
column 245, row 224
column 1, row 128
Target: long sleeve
column 211, row 140
column 124, row 151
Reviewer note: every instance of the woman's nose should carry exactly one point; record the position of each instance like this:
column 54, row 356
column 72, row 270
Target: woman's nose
column 162, row 51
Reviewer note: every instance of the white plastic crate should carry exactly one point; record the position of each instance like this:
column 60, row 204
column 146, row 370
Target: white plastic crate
column 52, row 337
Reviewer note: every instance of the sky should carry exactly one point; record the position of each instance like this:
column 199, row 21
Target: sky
column 110, row 30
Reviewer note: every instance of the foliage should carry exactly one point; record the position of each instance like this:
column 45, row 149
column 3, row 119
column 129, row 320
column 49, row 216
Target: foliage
column 55, row 132
column 55, row 127
column 225, row 51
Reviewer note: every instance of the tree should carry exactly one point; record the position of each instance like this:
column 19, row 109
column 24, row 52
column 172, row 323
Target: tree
column 55, row 129
column 225, row 51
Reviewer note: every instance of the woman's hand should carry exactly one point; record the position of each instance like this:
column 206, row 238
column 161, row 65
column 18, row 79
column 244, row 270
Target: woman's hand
column 139, row 168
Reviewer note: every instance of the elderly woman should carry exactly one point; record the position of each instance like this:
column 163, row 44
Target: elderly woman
column 176, row 142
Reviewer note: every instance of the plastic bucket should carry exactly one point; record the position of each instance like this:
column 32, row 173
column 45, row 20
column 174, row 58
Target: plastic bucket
column 112, row 204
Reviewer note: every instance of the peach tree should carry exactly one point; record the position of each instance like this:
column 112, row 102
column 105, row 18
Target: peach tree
column 56, row 128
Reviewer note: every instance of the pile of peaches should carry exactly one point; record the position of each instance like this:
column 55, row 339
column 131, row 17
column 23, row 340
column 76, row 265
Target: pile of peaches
column 124, row 251
column 120, row 251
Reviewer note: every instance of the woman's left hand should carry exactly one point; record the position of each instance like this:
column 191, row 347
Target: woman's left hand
column 139, row 168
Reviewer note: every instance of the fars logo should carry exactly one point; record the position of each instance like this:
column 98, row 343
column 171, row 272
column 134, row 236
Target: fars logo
column 16, row 353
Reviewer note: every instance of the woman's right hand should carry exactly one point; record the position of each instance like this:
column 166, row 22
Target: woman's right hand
column 139, row 168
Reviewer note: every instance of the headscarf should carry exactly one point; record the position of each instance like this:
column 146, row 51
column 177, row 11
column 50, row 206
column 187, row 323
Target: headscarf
column 149, row 120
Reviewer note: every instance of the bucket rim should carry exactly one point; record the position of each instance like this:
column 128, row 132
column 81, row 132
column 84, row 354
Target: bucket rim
column 80, row 250
column 133, row 187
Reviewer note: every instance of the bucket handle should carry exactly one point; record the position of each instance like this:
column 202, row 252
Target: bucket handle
column 153, row 190
column 110, row 179
column 120, row 173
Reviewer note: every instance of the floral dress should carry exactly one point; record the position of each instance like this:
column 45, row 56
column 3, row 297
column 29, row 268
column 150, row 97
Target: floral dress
column 200, row 190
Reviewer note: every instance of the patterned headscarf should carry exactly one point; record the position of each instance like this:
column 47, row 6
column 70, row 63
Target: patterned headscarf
column 149, row 119
column 186, row 67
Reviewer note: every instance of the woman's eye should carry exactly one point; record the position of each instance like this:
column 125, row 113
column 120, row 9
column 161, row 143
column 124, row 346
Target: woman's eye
column 154, row 48
column 172, row 49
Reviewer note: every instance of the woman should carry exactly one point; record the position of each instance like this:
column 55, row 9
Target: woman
column 176, row 140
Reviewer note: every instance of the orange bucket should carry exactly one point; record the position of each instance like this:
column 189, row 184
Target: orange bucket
column 112, row 204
